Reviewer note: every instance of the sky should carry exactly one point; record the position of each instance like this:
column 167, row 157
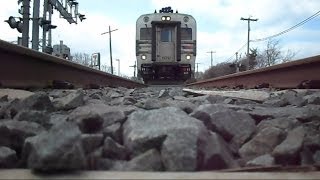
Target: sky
column 218, row 21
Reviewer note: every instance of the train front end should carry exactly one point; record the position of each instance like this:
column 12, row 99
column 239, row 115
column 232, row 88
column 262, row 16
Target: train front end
column 166, row 46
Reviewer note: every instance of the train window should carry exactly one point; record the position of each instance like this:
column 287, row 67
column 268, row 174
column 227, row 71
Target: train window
column 166, row 35
column 186, row 34
column 145, row 34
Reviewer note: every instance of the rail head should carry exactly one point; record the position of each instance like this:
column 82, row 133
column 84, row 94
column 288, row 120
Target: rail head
column 286, row 75
column 12, row 56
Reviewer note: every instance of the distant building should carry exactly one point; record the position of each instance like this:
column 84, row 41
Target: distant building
column 62, row 51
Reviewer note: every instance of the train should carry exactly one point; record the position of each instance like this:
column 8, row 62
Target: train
column 166, row 46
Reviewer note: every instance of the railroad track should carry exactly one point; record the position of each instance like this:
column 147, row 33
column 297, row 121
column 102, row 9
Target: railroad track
column 302, row 74
column 22, row 67
column 25, row 68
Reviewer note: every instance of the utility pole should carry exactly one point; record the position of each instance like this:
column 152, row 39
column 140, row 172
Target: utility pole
column 110, row 46
column 248, row 42
column 197, row 67
column 134, row 66
column 35, row 25
column 197, row 74
column 25, row 22
column 118, row 66
column 237, row 63
column 211, row 52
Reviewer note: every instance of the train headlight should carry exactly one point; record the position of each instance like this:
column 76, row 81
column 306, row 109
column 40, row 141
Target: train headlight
column 146, row 19
column 163, row 18
column 143, row 57
column 188, row 57
column 186, row 19
column 168, row 18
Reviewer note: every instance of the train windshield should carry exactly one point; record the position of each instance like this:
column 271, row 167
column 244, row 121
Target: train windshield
column 166, row 35
column 186, row 34
column 145, row 34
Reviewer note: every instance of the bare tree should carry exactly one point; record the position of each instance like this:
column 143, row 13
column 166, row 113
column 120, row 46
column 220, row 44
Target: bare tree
column 82, row 58
column 220, row 69
column 273, row 55
column 106, row 68
column 288, row 56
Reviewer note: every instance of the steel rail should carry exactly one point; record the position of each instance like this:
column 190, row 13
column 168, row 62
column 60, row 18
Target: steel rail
column 21, row 67
column 303, row 73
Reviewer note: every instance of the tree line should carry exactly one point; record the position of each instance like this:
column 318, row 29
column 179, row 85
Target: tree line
column 271, row 55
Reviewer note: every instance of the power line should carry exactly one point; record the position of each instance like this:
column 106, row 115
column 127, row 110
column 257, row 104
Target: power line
column 290, row 29
column 230, row 58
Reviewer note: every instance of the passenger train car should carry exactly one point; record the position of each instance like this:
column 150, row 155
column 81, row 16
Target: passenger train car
column 166, row 45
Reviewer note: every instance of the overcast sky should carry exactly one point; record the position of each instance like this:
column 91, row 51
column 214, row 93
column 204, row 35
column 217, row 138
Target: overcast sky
column 219, row 26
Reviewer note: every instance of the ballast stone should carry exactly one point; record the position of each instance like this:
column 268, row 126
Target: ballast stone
column 58, row 149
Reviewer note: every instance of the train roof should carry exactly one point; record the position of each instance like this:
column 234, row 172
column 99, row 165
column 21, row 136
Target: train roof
column 165, row 14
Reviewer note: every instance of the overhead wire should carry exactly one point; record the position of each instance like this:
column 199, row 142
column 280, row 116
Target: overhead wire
column 289, row 29
column 230, row 58
column 278, row 34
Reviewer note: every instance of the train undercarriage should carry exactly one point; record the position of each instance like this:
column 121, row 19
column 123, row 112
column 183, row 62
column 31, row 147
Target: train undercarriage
column 165, row 72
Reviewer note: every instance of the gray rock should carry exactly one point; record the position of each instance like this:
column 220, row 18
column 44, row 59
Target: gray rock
column 56, row 118
column 200, row 100
column 8, row 157
column 169, row 129
column 288, row 151
column 164, row 94
column 114, row 131
column 97, row 94
column 58, row 149
column 264, row 160
column 148, row 161
column 230, row 124
column 127, row 100
column 113, row 150
column 229, row 101
column 215, row 99
column 316, row 158
column 303, row 114
column 282, row 123
column 70, row 101
column 236, row 125
column 40, row 117
column 151, row 103
column 216, row 154
column 128, row 109
column 177, row 91
column 313, row 99
column 39, row 101
column 276, row 102
column 13, row 133
column 294, row 98
column 110, row 164
column 306, row 156
column 93, row 160
column 10, row 110
column 203, row 113
column 93, row 117
column 91, row 142
column 263, row 143
column 93, row 101
column 287, row 97
column 312, row 141
column 4, row 99
column 58, row 93
column 114, row 94
column 186, row 106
